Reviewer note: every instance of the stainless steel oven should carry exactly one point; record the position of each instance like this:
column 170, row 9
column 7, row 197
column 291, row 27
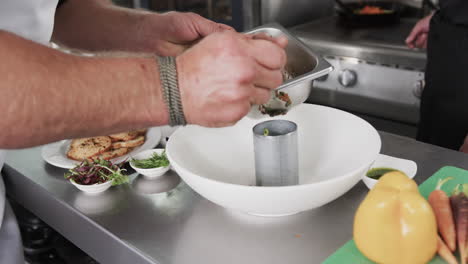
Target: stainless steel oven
column 375, row 75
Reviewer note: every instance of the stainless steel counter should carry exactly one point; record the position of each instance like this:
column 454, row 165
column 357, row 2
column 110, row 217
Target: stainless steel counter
column 140, row 224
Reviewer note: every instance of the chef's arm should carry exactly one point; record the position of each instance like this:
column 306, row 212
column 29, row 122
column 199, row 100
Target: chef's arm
column 47, row 95
column 98, row 25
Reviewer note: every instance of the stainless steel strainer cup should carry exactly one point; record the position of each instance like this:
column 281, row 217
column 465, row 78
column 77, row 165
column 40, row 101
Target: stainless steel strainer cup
column 276, row 154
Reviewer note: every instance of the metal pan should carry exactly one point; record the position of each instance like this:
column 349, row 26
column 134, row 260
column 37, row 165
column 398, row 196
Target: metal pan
column 303, row 65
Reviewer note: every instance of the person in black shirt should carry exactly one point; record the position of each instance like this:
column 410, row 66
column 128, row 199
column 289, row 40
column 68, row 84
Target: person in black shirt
column 444, row 111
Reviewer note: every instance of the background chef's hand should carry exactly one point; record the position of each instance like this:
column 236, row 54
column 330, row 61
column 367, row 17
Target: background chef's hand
column 464, row 147
column 172, row 33
column 227, row 72
column 418, row 36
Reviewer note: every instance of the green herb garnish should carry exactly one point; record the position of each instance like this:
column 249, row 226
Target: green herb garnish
column 266, row 132
column 97, row 171
column 376, row 173
column 155, row 161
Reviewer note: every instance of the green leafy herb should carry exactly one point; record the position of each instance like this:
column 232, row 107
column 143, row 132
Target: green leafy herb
column 155, row 161
column 97, row 171
column 376, row 173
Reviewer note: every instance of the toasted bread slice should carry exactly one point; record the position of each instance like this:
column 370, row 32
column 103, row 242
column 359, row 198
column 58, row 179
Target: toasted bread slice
column 113, row 153
column 125, row 136
column 142, row 131
column 129, row 144
column 78, row 141
column 84, row 148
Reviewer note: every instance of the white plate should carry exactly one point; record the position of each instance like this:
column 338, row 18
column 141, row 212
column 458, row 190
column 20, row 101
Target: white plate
column 56, row 153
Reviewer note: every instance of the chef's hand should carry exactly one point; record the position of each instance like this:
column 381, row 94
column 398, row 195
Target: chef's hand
column 171, row 33
column 418, row 36
column 227, row 72
column 464, row 147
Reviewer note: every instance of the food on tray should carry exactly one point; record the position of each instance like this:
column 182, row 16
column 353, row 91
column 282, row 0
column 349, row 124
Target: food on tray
column 279, row 100
column 124, row 136
column 394, row 223
column 444, row 252
column 155, row 161
column 96, row 172
column 376, row 173
column 278, row 104
column 106, row 147
column 372, row 10
column 84, row 148
column 284, row 97
column 112, row 153
column 452, row 220
column 459, row 205
column 129, row 143
column 440, row 204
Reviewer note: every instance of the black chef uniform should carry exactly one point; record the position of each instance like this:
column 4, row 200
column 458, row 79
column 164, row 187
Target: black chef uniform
column 444, row 102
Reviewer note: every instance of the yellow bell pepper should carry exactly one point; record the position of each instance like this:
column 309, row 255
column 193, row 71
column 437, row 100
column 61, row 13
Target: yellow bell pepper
column 395, row 224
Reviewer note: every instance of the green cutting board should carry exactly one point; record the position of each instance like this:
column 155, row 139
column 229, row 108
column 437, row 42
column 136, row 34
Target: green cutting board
column 349, row 253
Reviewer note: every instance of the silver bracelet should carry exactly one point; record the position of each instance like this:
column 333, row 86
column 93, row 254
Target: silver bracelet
column 170, row 87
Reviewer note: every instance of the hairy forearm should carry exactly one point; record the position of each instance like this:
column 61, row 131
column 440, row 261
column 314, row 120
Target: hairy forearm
column 98, row 25
column 46, row 95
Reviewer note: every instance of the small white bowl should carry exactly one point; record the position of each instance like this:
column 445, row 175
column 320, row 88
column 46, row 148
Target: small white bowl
column 93, row 189
column 153, row 172
column 409, row 167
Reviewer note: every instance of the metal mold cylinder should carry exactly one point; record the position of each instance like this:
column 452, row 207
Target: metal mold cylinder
column 276, row 154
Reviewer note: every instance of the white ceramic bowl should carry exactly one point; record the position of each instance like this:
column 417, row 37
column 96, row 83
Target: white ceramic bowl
column 166, row 132
column 409, row 167
column 149, row 173
column 93, row 189
column 335, row 149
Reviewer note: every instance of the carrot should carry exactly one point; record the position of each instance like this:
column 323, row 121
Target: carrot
column 440, row 203
column 459, row 201
column 444, row 252
column 466, row 248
